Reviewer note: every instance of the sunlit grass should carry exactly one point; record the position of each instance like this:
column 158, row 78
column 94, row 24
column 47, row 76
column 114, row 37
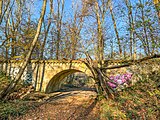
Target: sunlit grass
column 140, row 101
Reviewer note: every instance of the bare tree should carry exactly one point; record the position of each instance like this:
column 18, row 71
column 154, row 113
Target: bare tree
column 157, row 5
column 99, row 12
column 131, row 29
column 1, row 7
column 58, row 19
column 4, row 7
column 13, row 84
column 47, row 29
column 100, row 36
column 115, row 28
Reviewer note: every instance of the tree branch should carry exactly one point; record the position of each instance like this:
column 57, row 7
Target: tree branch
column 132, row 62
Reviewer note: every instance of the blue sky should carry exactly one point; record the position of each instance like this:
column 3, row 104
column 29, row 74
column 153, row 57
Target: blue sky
column 68, row 9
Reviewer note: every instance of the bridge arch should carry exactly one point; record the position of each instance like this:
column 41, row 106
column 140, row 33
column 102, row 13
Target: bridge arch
column 55, row 82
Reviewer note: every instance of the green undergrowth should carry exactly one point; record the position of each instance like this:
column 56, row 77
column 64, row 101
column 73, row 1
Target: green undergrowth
column 4, row 81
column 139, row 102
column 12, row 109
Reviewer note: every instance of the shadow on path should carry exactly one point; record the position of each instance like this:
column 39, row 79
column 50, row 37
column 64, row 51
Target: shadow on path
column 83, row 112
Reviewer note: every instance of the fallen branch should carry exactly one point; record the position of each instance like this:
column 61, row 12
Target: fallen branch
column 132, row 62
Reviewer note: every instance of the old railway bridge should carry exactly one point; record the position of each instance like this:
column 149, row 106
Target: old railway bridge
column 44, row 74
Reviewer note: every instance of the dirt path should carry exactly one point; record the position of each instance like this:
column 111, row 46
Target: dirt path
column 69, row 105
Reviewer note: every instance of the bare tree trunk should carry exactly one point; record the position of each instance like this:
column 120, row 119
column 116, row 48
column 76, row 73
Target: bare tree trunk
column 157, row 5
column 146, row 46
column 43, row 46
column 47, row 30
column 44, row 42
column 59, row 25
column 52, row 43
column 99, row 35
column 3, row 12
column 100, row 78
column 1, row 7
column 6, row 57
column 13, row 84
column 131, row 24
column 7, row 32
column 153, row 43
column 116, row 30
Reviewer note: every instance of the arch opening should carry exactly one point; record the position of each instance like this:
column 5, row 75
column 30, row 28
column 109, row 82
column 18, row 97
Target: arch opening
column 56, row 81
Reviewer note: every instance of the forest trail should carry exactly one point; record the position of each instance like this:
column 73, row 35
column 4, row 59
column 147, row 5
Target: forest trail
column 73, row 104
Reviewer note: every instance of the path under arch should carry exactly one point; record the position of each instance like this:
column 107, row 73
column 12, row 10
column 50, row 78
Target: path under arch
column 55, row 83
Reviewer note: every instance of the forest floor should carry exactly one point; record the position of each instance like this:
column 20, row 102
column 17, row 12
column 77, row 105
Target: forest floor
column 139, row 102
column 73, row 104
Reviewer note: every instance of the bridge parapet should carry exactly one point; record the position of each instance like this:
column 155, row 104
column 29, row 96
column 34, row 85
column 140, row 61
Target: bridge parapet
column 109, row 62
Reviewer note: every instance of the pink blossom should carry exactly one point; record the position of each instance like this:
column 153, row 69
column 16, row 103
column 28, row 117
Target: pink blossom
column 117, row 77
column 112, row 77
column 115, row 80
column 120, row 79
column 124, row 80
column 112, row 85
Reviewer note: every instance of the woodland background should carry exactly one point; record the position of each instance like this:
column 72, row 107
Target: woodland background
column 105, row 28
column 86, row 30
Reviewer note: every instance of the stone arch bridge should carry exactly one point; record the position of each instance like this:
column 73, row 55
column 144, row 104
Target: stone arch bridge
column 46, row 75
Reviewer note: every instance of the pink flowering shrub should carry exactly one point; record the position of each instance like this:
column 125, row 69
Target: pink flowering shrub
column 119, row 79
